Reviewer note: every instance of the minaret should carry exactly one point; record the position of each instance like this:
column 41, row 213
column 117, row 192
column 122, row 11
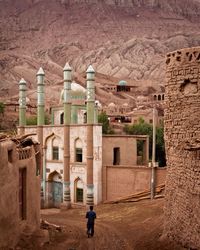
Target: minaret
column 90, row 121
column 67, row 120
column 22, row 106
column 40, row 95
column 40, row 123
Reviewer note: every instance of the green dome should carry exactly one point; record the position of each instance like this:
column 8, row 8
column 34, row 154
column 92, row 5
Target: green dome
column 122, row 83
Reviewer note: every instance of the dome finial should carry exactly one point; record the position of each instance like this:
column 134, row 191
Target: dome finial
column 90, row 69
column 67, row 67
column 40, row 72
column 22, row 81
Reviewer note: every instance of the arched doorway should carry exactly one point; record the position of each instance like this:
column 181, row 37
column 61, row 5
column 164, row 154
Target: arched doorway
column 55, row 189
column 78, row 185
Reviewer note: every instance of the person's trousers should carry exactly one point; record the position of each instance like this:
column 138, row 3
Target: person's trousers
column 90, row 228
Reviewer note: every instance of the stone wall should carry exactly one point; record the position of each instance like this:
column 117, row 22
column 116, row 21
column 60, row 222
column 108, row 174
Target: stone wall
column 182, row 137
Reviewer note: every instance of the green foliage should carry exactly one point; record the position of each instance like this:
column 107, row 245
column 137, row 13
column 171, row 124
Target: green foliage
column 32, row 120
column 103, row 118
column 2, row 108
column 47, row 119
column 143, row 128
column 140, row 128
column 160, row 146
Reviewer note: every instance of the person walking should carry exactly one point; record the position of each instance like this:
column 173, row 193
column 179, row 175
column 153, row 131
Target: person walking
column 91, row 216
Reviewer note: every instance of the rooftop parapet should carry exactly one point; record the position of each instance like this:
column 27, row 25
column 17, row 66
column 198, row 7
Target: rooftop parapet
column 183, row 56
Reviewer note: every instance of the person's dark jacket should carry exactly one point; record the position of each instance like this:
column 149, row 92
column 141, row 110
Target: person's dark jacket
column 91, row 216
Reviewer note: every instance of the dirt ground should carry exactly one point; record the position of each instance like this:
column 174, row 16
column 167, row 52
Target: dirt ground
column 118, row 227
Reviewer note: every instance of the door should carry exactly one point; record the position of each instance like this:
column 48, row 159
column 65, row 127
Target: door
column 79, row 195
column 57, row 193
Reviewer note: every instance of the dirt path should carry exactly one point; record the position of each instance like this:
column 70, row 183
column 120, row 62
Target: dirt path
column 118, row 226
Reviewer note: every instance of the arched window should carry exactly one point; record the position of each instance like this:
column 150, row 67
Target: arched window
column 55, row 149
column 159, row 97
column 155, row 97
column 163, row 97
column 78, row 150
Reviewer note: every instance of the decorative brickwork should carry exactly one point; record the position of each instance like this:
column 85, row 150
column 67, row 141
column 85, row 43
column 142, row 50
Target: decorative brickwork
column 182, row 141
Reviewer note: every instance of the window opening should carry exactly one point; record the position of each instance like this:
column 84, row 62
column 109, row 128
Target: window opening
column 55, row 153
column 62, row 118
column 79, row 155
column 10, row 155
column 116, row 156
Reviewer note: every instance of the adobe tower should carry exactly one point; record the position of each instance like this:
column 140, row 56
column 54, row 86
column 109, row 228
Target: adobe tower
column 182, row 141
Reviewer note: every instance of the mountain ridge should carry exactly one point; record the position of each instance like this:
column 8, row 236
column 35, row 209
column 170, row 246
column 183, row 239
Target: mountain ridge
column 119, row 41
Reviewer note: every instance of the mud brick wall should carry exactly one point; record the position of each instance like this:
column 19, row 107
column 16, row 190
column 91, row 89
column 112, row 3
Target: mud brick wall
column 182, row 141
column 121, row 181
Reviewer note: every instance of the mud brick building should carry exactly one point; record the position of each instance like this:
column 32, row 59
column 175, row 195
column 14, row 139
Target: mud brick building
column 20, row 191
column 182, row 138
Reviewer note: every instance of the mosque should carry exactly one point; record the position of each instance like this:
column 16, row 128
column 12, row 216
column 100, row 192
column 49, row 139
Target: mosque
column 79, row 164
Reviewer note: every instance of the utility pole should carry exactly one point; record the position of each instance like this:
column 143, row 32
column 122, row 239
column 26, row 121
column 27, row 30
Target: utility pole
column 153, row 155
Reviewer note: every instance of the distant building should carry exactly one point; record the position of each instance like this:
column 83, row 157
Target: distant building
column 159, row 97
column 147, row 116
column 122, row 86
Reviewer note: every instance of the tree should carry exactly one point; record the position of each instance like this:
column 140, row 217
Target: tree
column 143, row 128
column 32, row 120
column 160, row 146
column 103, row 118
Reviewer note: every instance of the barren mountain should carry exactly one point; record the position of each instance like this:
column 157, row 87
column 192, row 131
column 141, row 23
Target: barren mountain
column 122, row 39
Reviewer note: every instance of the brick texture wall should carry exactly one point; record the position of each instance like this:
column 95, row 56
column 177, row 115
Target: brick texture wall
column 182, row 141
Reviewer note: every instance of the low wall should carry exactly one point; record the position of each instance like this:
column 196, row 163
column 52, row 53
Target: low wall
column 120, row 181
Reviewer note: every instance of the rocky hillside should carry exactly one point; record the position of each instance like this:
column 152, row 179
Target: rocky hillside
column 121, row 38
